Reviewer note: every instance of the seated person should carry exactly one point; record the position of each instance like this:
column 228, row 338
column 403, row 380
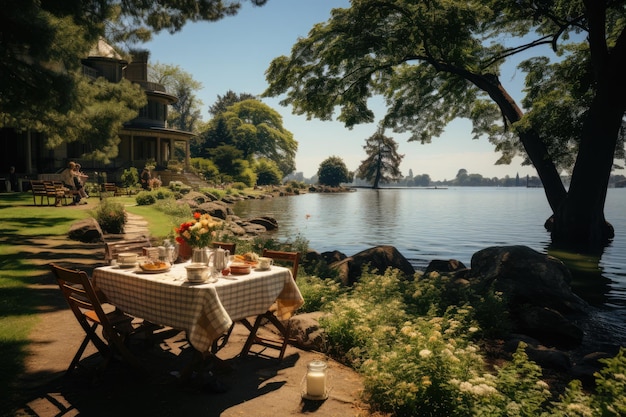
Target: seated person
column 81, row 180
column 71, row 181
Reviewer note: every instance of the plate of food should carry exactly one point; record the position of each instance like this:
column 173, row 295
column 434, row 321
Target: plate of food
column 155, row 267
column 248, row 258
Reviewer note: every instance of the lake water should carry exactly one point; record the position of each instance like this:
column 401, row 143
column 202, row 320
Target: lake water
column 451, row 223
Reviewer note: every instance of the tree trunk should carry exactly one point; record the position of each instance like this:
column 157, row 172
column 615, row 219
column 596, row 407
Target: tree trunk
column 579, row 223
column 533, row 144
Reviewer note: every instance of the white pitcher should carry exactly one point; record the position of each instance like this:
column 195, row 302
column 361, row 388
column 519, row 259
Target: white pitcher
column 220, row 259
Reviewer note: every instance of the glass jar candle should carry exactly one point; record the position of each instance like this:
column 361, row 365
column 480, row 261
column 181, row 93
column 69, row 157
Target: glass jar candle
column 316, row 379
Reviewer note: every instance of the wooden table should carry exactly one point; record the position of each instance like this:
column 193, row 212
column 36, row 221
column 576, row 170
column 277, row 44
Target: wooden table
column 204, row 311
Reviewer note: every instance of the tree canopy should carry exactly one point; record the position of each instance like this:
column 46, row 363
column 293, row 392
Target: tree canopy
column 256, row 130
column 440, row 60
column 383, row 161
column 333, row 171
column 42, row 44
column 185, row 113
column 224, row 102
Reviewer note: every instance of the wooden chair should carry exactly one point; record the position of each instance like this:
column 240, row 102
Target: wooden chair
column 280, row 257
column 229, row 246
column 111, row 249
column 288, row 259
column 88, row 310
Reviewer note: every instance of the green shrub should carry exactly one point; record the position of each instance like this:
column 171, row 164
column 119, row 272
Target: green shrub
column 163, row 193
column 239, row 186
column 247, row 176
column 318, row 293
column 145, row 198
column 179, row 188
column 611, row 382
column 111, row 216
column 130, row 177
column 205, row 168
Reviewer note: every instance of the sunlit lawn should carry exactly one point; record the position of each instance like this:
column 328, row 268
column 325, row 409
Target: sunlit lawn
column 20, row 222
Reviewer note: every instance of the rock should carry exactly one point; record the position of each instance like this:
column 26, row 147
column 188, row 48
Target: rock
column 86, row 230
column 526, row 276
column 333, row 256
column 252, row 228
column 379, row 259
column 235, row 229
column 312, row 256
column 586, row 368
column 544, row 356
column 549, row 358
column 194, row 198
column 268, row 223
column 446, row 267
column 305, row 330
column 231, row 199
column 536, row 288
column 216, row 209
column 549, row 326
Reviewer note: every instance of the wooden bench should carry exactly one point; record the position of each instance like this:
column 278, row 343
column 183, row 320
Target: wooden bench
column 38, row 188
column 109, row 189
column 55, row 194
column 63, row 192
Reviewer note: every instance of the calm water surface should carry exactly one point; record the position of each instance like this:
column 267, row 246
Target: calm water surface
column 452, row 223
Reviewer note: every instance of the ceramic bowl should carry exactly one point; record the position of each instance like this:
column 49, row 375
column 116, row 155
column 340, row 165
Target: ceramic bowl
column 197, row 272
column 126, row 258
column 237, row 268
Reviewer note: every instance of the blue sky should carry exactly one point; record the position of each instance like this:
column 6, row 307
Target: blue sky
column 234, row 53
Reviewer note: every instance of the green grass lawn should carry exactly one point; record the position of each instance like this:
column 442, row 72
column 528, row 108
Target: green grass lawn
column 20, row 223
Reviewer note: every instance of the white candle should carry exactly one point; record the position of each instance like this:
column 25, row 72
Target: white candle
column 316, row 384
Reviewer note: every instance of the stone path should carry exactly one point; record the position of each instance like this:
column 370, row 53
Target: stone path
column 257, row 386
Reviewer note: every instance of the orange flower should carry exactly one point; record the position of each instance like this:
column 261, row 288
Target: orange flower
column 199, row 232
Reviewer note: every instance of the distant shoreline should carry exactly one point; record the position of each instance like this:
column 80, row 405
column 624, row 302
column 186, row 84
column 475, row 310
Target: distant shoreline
column 401, row 188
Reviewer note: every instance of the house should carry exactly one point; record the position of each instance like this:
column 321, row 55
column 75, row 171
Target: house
column 145, row 139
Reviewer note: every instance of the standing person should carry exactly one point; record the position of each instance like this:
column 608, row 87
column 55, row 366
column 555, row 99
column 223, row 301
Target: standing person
column 145, row 179
column 68, row 176
column 81, row 180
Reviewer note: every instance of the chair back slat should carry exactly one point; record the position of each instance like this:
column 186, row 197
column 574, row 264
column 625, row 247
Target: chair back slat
column 229, row 246
column 112, row 249
column 291, row 259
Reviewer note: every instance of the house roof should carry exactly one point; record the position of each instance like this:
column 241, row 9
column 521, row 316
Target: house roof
column 157, row 132
column 103, row 50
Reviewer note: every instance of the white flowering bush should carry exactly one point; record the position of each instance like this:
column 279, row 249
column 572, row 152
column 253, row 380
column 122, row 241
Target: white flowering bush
column 318, row 292
column 419, row 355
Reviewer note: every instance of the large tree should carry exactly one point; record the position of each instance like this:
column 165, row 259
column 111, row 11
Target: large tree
column 42, row 44
column 185, row 113
column 257, row 131
column 439, row 60
column 228, row 99
column 333, row 171
column 383, row 160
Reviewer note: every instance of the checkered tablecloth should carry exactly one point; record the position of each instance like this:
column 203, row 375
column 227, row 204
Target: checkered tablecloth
column 204, row 311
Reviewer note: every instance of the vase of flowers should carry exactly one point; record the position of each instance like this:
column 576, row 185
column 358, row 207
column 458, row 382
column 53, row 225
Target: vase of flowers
column 197, row 233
